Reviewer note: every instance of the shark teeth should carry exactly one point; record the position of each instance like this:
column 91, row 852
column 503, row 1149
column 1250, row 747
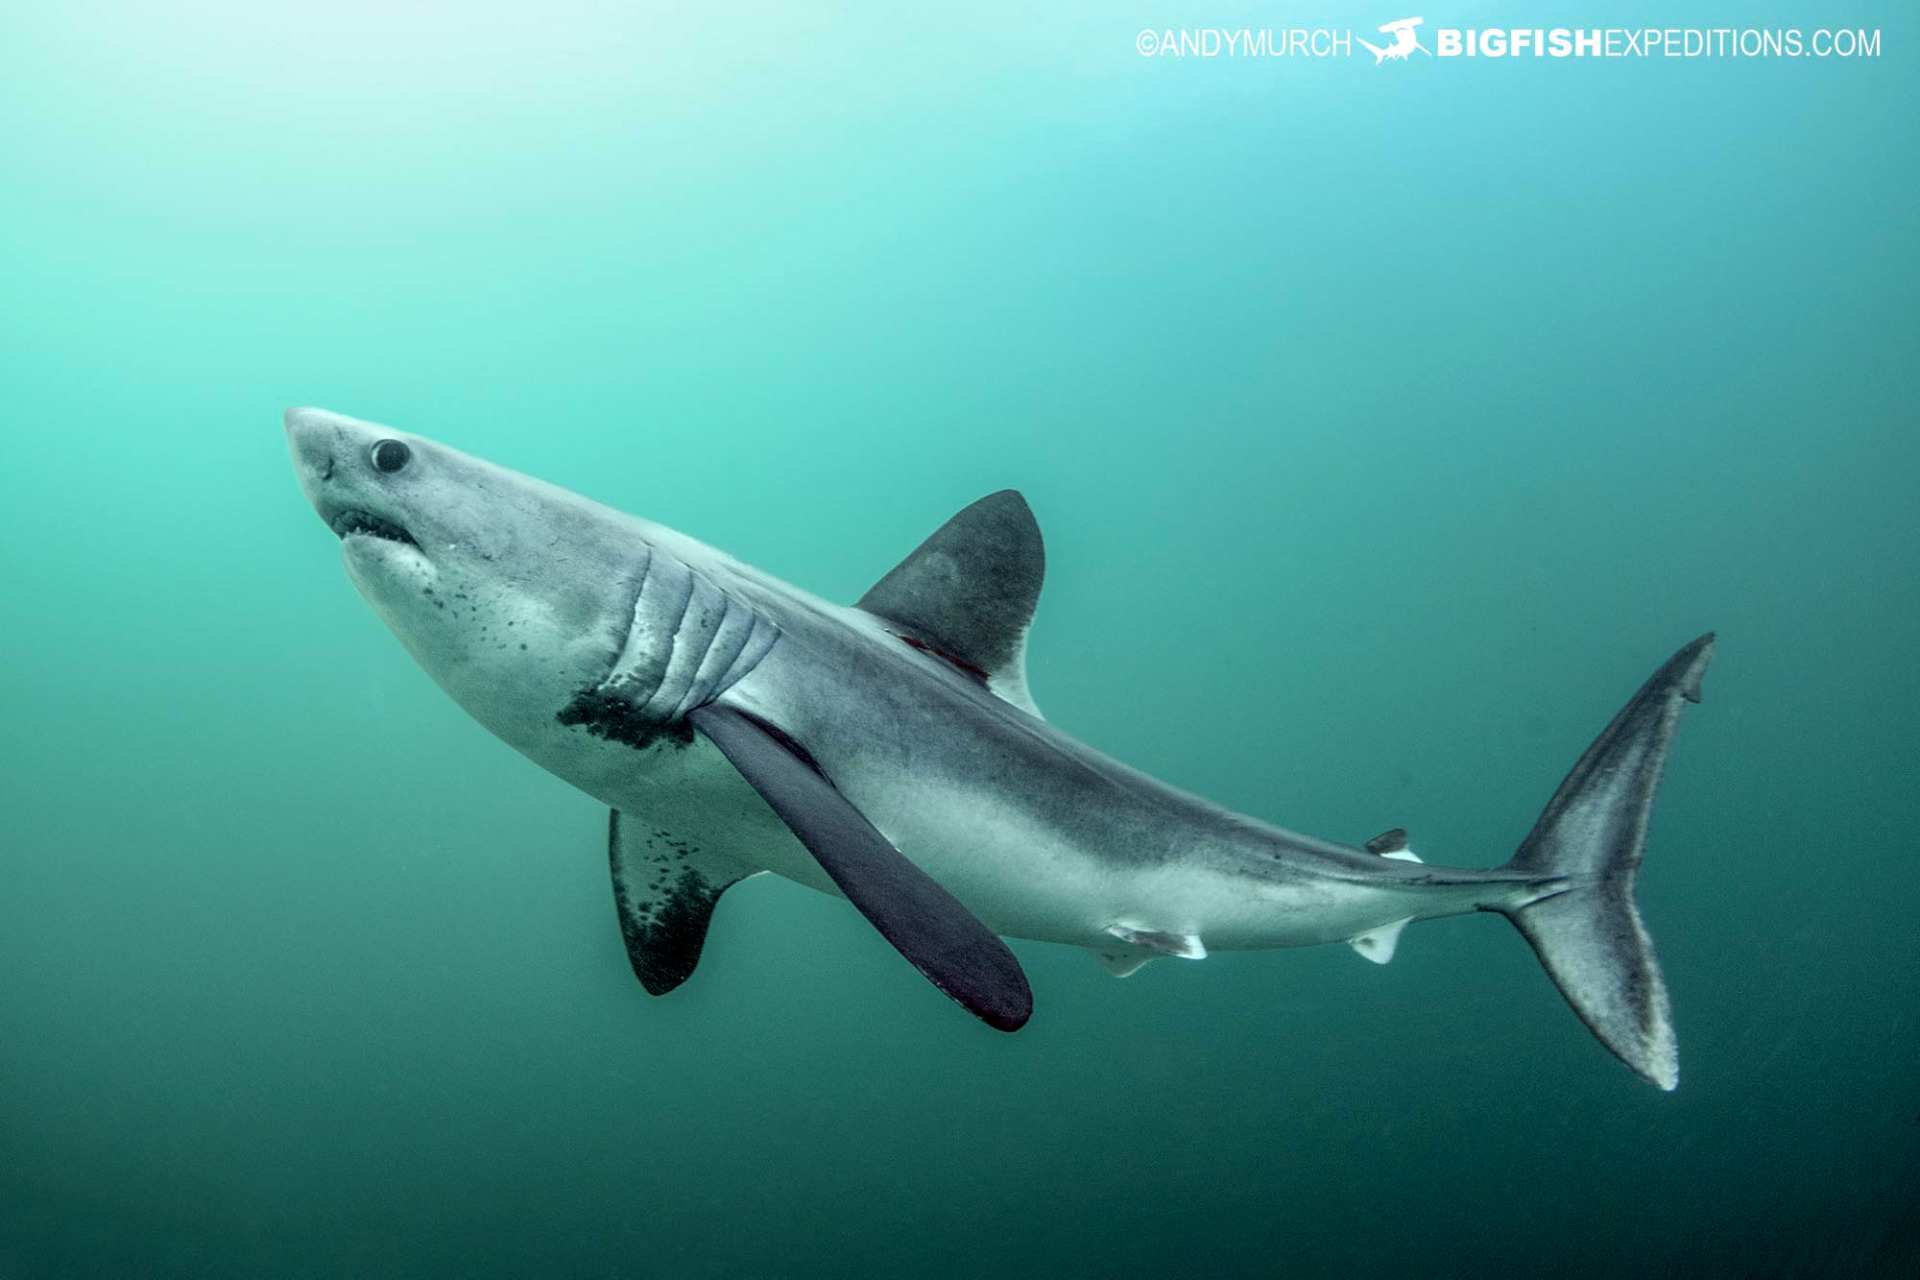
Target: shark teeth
column 348, row 523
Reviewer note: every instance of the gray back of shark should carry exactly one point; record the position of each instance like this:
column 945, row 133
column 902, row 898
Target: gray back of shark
column 890, row 752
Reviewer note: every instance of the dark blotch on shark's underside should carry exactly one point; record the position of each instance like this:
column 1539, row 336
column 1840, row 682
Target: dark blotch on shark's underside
column 606, row 714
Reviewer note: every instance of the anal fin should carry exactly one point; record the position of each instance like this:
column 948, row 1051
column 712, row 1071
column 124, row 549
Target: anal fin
column 1187, row 946
column 1378, row 945
column 665, row 890
column 1122, row 960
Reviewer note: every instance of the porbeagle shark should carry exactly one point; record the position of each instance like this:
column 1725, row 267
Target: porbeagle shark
column 890, row 752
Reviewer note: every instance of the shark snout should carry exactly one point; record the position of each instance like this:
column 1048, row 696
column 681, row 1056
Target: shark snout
column 316, row 440
column 306, row 426
column 341, row 462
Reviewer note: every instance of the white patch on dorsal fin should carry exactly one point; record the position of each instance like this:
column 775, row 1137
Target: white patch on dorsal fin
column 1378, row 945
column 1122, row 962
column 1185, row 945
column 967, row 594
column 1392, row 844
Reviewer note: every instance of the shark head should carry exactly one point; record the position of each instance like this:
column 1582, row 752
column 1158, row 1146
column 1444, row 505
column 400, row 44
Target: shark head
column 512, row 594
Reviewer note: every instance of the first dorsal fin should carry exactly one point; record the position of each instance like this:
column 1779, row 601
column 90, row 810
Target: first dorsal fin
column 1393, row 844
column 969, row 591
column 1388, row 842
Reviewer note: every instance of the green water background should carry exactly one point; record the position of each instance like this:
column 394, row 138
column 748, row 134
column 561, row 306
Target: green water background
column 1387, row 427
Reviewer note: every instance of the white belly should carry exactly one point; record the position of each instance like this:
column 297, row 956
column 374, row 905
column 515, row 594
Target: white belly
column 1023, row 879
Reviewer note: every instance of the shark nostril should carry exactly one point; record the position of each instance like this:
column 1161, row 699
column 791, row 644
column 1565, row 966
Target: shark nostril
column 326, row 470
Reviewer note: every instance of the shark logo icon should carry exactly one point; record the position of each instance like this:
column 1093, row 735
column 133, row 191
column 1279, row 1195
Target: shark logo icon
column 1404, row 41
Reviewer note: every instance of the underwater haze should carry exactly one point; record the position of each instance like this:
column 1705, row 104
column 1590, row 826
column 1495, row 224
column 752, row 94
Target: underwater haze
column 1387, row 425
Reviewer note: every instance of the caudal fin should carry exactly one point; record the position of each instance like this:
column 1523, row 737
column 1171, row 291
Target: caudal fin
column 1587, row 931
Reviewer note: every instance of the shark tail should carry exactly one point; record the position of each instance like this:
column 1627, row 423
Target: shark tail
column 1379, row 51
column 1584, row 850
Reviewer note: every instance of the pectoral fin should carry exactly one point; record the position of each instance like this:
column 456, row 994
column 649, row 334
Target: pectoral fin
column 666, row 891
column 924, row 922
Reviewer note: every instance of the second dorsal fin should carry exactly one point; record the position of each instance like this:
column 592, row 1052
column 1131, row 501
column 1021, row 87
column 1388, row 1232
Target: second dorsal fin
column 969, row 591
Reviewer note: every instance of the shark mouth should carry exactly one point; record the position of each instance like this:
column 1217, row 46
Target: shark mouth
column 349, row 523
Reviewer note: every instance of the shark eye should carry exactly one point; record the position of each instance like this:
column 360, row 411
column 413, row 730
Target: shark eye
column 390, row 455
